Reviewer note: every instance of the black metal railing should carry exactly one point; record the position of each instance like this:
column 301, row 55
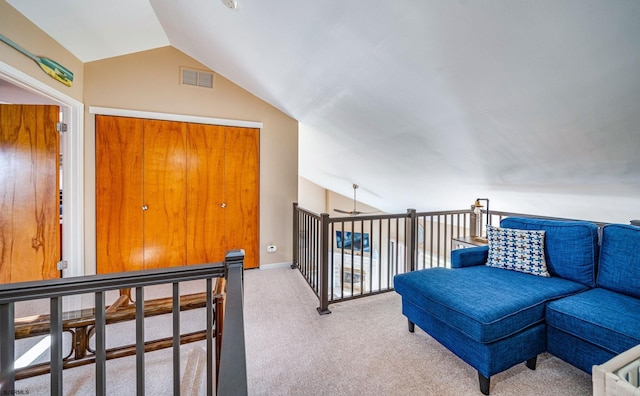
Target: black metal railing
column 434, row 235
column 348, row 257
column 232, row 378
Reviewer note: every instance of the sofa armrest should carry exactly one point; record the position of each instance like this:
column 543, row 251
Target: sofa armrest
column 469, row 256
column 607, row 379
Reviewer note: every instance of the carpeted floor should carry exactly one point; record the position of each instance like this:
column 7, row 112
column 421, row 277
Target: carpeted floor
column 364, row 348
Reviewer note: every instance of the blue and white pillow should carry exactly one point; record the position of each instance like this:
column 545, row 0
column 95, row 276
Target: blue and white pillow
column 517, row 250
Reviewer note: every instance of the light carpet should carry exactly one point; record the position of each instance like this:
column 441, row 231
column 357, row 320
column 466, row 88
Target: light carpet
column 364, row 348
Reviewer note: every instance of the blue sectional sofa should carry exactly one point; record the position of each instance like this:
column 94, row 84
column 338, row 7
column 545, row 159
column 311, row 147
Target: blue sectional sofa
column 503, row 304
column 592, row 327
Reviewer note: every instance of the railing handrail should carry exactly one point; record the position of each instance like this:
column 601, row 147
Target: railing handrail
column 340, row 219
column 445, row 228
column 62, row 287
column 336, row 219
column 443, row 212
column 307, row 211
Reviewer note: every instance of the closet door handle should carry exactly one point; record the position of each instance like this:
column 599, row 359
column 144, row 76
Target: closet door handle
column 144, row 207
column 223, row 205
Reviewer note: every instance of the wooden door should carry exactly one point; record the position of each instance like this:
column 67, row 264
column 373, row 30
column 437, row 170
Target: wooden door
column 206, row 241
column 29, row 193
column 189, row 193
column 165, row 194
column 242, row 172
column 223, row 185
column 119, row 194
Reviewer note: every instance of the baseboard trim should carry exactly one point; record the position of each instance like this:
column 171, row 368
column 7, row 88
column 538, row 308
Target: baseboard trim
column 275, row 265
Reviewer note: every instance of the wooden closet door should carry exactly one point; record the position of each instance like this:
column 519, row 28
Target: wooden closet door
column 184, row 193
column 165, row 193
column 206, row 241
column 242, row 171
column 119, row 214
column 29, row 193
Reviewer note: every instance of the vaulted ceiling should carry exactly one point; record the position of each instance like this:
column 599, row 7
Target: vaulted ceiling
column 424, row 104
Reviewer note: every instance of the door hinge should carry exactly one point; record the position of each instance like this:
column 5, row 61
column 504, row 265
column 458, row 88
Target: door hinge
column 62, row 265
column 61, row 126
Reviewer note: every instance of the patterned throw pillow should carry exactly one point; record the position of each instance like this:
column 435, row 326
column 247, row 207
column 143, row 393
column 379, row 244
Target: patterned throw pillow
column 517, row 250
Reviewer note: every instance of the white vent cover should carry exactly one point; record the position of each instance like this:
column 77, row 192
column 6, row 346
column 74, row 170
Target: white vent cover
column 196, row 78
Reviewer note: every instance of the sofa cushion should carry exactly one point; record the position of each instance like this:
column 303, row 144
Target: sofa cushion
column 601, row 317
column 517, row 250
column 571, row 247
column 486, row 303
column 619, row 268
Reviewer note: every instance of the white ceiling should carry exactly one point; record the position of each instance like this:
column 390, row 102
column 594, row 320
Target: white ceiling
column 424, row 104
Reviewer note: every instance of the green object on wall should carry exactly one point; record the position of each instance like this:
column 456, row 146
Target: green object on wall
column 49, row 66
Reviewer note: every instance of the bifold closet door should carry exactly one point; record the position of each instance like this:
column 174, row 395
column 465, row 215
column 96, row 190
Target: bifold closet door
column 222, row 199
column 29, row 193
column 164, row 194
column 172, row 193
column 206, row 205
column 119, row 214
column 140, row 194
column 242, row 186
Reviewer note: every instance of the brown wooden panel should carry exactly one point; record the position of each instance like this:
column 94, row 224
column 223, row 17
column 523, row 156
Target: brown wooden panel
column 165, row 193
column 199, row 184
column 242, row 171
column 119, row 194
column 29, row 193
column 206, row 242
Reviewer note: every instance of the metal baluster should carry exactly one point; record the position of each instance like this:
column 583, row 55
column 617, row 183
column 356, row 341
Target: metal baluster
column 332, row 232
column 56, row 345
column 389, row 254
column 101, row 357
column 439, row 241
column 431, row 242
column 176, row 338
column 7, row 347
column 379, row 255
column 447, row 240
column 370, row 256
column 210, row 338
column 342, row 260
column 351, row 255
column 397, row 258
column 140, row 379
column 422, row 225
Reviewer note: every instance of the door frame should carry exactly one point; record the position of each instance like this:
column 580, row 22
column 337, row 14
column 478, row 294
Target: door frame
column 151, row 115
column 72, row 149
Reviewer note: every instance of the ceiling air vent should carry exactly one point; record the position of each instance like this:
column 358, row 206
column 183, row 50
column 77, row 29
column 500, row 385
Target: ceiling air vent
column 197, row 78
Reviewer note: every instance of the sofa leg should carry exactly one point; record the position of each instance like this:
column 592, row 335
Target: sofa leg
column 412, row 326
column 484, row 384
column 531, row 363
